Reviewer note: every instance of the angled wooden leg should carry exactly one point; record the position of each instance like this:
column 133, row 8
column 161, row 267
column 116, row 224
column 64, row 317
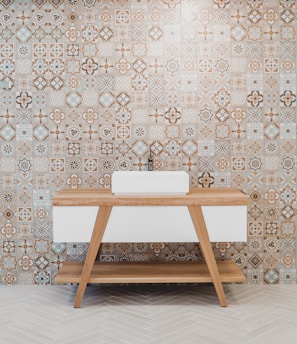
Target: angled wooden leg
column 201, row 230
column 98, row 231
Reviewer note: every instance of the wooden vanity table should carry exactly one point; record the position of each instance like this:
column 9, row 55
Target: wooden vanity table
column 197, row 272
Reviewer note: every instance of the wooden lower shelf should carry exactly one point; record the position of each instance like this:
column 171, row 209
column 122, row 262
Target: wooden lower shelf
column 196, row 272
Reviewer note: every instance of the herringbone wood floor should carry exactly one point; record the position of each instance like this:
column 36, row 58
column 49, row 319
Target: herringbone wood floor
column 149, row 314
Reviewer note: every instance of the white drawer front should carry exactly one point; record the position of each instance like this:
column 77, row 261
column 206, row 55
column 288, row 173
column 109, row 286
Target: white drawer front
column 150, row 224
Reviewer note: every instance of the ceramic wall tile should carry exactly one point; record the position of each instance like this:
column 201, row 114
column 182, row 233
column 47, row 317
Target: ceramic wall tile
column 87, row 87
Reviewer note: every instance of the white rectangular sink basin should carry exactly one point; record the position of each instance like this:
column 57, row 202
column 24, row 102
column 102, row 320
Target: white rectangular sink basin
column 150, row 183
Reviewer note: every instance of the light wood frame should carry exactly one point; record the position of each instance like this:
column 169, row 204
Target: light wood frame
column 208, row 271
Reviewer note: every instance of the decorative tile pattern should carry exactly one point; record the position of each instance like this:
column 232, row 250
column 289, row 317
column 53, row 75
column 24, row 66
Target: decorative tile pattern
column 86, row 87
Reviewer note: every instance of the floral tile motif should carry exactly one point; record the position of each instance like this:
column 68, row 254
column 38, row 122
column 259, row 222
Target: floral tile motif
column 87, row 87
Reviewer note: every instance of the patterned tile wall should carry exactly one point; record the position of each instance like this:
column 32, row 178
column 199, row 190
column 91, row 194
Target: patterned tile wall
column 87, row 86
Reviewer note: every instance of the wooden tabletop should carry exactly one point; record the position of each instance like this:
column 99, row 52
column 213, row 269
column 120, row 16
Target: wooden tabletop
column 104, row 197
